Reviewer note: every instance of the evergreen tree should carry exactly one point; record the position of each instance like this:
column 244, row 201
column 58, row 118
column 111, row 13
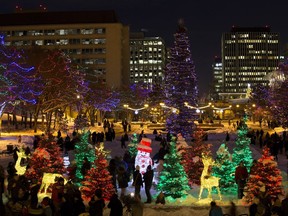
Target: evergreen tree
column 180, row 85
column 173, row 180
column 265, row 172
column 225, row 170
column 83, row 149
column 132, row 146
column 81, row 122
column 192, row 155
column 47, row 158
column 98, row 177
column 242, row 152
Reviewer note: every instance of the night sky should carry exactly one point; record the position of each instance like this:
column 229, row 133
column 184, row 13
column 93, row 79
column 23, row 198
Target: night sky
column 205, row 20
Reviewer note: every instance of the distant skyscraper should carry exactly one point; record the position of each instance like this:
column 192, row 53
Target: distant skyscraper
column 147, row 59
column 248, row 55
column 217, row 77
column 95, row 40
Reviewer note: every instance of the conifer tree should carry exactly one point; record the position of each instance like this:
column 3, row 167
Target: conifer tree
column 191, row 158
column 265, row 172
column 47, row 158
column 173, row 180
column 98, row 177
column 83, row 149
column 225, row 169
column 242, row 152
column 180, row 85
column 133, row 145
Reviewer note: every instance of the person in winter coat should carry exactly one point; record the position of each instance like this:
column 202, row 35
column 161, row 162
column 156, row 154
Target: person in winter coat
column 241, row 175
column 148, row 178
column 123, row 179
column 115, row 205
column 215, row 210
column 96, row 204
column 137, row 181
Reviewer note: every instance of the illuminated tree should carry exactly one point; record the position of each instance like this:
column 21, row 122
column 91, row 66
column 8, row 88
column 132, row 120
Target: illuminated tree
column 132, row 146
column 47, row 158
column 180, row 85
column 18, row 81
column 242, row 151
column 225, row 169
column 98, row 177
column 173, row 180
column 83, row 149
column 192, row 155
column 265, row 173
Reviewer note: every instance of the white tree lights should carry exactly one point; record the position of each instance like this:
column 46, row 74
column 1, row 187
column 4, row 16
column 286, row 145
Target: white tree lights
column 143, row 158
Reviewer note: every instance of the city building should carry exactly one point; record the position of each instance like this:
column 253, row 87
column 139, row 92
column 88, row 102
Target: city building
column 95, row 40
column 147, row 59
column 217, row 77
column 248, row 55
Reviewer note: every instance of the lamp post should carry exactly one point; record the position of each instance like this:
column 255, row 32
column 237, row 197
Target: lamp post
column 136, row 110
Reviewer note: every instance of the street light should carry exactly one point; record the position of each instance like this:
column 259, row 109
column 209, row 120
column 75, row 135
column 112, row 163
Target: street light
column 136, row 110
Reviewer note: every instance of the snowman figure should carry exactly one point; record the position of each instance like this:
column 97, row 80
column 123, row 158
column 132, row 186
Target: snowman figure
column 143, row 158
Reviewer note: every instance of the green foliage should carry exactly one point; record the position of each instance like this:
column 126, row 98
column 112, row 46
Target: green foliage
column 173, row 180
column 83, row 149
column 132, row 147
column 242, row 151
column 225, row 170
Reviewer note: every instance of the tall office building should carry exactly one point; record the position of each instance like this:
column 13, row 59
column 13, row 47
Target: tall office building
column 248, row 55
column 147, row 59
column 95, row 40
column 217, row 77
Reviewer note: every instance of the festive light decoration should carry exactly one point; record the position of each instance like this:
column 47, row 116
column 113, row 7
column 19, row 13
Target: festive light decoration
column 47, row 158
column 83, row 149
column 48, row 179
column 81, row 122
column 143, row 158
column 173, row 180
column 98, row 177
column 132, row 146
column 17, row 80
column 180, row 85
column 265, row 172
column 192, row 157
column 225, row 170
column 20, row 169
column 208, row 181
column 242, row 152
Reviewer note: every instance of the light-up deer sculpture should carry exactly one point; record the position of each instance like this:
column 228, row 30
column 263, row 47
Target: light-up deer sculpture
column 208, row 181
column 20, row 169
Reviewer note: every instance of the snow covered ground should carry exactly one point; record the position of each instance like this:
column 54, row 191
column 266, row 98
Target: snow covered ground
column 184, row 207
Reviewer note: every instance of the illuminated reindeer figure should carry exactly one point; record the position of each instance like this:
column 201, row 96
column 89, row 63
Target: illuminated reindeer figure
column 208, row 181
column 20, row 169
column 48, row 179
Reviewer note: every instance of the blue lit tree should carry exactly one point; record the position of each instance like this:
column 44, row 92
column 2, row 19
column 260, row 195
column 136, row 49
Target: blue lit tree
column 181, row 85
column 18, row 81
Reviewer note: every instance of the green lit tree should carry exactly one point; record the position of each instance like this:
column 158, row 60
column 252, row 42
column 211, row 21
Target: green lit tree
column 173, row 180
column 83, row 149
column 242, row 151
column 133, row 145
column 98, row 177
column 180, row 85
column 225, row 169
column 265, row 172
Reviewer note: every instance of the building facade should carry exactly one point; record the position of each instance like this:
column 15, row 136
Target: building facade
column 217, row 77
column 94, row 40
column 147, row 59
column 248, row 55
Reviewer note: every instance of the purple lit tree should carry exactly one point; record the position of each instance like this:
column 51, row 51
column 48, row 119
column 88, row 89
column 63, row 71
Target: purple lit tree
column 18, row 81
column 180, row 85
